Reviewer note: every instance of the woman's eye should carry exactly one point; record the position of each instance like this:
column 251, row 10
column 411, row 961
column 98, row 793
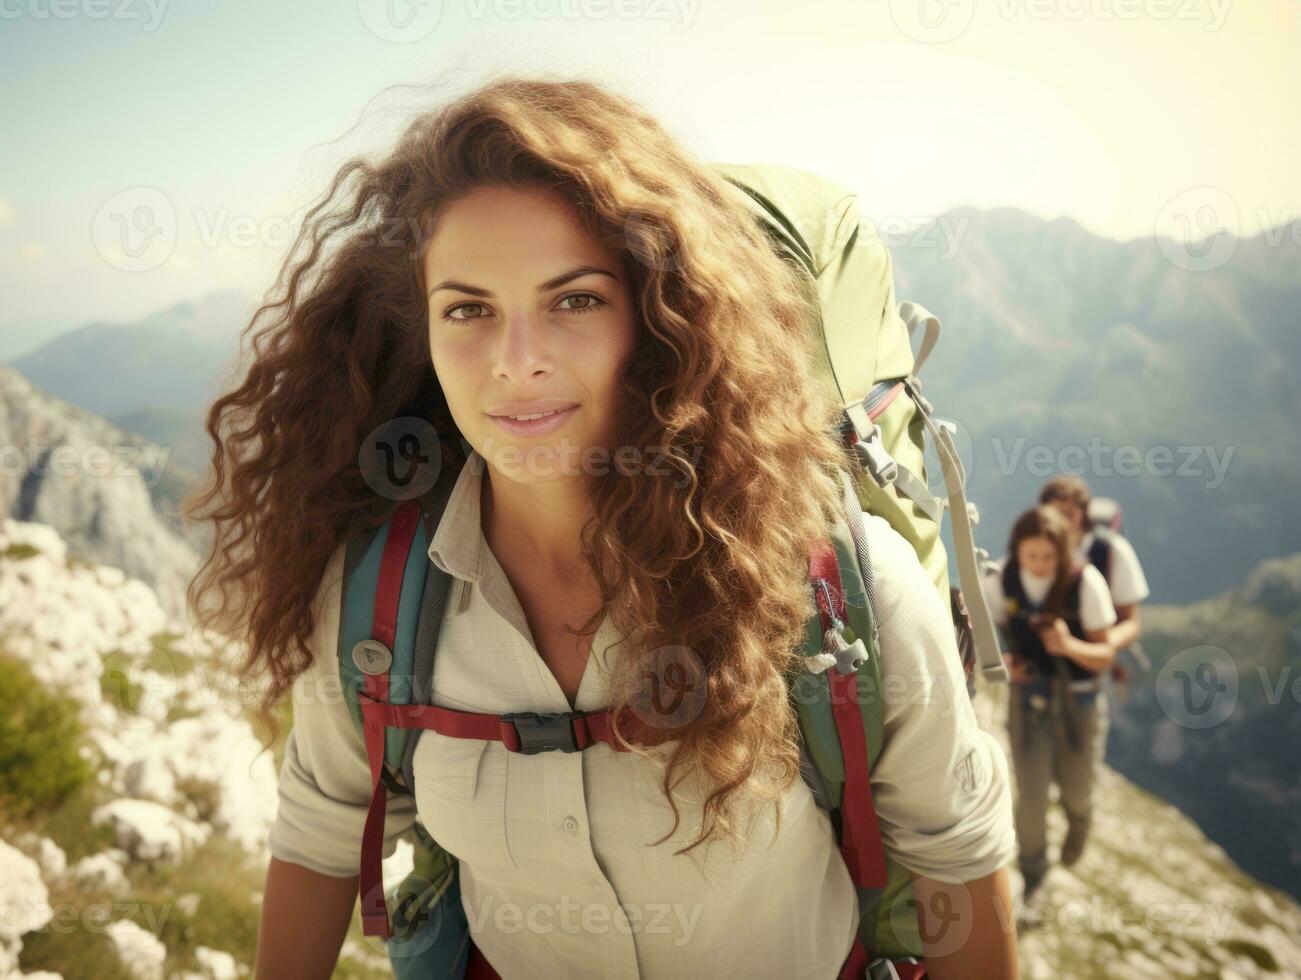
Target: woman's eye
column 460, row 306
column 595, row 303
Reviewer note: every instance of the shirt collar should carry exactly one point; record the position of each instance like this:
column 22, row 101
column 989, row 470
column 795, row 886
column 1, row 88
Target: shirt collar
column 458, row 544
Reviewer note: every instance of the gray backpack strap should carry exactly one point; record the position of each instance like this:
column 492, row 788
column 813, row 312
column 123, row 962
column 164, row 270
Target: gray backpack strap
column 433, row 601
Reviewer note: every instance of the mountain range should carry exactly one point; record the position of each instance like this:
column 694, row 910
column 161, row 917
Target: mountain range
column 1059, row 347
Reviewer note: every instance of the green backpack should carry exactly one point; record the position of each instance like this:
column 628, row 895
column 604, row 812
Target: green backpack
column 390, row 620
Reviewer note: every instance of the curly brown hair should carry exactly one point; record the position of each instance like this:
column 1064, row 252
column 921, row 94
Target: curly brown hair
column 715, row 560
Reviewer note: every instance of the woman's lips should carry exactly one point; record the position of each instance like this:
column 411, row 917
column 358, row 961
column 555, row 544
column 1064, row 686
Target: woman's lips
column 537, row 427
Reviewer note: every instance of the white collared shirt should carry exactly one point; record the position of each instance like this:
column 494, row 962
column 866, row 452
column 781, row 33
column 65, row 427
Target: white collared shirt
column 1126, row 580
column 558, row 876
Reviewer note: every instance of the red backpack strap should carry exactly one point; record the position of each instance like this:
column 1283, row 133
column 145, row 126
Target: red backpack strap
column 388, row 589
column 860, row 839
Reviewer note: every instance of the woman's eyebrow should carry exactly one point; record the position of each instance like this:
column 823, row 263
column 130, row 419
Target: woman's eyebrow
column 550, row 284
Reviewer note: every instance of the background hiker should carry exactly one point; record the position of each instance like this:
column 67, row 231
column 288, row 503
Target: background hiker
column 1054, row 610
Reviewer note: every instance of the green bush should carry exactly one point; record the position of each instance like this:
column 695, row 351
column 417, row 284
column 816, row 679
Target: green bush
column 40, row 738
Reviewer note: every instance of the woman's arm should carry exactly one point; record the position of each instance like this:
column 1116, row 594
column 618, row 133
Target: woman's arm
column 967, row 927
column 1127, row 629
column 940, row 784
column 323, row 799
column 305, row 916
column 1094, row 653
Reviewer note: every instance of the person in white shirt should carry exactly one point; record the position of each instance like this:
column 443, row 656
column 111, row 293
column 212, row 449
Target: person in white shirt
column 578, row 825
column 1055, row 611
column 616, row 361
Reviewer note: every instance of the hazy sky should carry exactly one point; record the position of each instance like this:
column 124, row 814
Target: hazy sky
column 213, row 124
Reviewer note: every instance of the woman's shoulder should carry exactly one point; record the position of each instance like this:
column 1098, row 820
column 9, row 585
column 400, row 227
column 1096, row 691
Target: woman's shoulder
column 896, row 570
column 914, row 623
column 326, row 606
column 1093, row 580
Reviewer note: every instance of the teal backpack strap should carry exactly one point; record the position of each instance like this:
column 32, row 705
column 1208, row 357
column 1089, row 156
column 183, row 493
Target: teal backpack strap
column 356, row 619
column 425, row 588
column 428, row 933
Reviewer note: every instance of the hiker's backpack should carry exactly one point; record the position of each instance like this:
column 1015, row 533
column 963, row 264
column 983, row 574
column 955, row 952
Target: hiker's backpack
column 1105, row 520
column 865, row 361
column 1105, row 512
column 394, row 596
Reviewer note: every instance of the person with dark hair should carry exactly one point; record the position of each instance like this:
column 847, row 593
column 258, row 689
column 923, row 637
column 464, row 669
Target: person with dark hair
column 1055, row 612
column 1100, row 541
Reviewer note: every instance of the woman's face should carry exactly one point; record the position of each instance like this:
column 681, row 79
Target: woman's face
column 527, row 314
column 1037, row 556
column 1070, row 510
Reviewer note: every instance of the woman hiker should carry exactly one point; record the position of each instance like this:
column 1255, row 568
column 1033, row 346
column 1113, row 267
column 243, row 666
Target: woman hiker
column 493, row 266
column 1055, row 610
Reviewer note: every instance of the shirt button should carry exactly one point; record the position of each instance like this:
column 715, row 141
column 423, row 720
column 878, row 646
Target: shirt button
column 571, row 825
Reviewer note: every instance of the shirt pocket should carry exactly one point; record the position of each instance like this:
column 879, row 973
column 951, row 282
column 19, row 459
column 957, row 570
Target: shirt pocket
column 461, row 798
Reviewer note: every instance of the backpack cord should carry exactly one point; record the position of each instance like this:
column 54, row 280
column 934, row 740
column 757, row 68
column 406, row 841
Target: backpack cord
column 858, row 531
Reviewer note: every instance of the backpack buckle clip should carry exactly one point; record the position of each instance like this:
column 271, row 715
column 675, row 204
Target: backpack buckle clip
column 868, row 447
column 542, row 732
column 879, row 463
column 848, row 657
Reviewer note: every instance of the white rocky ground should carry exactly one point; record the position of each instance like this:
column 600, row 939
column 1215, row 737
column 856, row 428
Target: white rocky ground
column 71, row 623
column 1151, row 897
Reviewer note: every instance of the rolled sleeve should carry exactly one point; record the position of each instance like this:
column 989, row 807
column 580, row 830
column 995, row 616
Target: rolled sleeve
column 325, row 787
column 940, row 784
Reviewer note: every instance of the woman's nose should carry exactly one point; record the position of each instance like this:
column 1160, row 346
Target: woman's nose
column 521, row 349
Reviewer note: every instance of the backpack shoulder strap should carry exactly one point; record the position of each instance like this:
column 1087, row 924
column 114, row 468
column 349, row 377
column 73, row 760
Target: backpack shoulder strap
column 406, row 658
column 1100, row 551
column 374, row 640
column 837, row 700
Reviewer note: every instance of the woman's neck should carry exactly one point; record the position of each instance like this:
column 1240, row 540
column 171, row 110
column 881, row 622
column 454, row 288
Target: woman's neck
column 539, row 522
